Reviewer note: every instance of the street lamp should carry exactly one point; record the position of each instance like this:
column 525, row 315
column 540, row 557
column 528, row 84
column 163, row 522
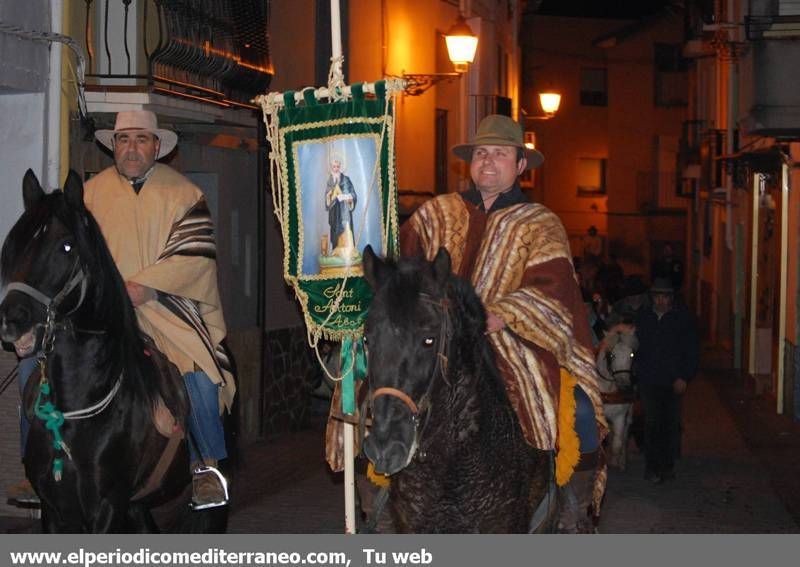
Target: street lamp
column 549, row 101
column 462, row 44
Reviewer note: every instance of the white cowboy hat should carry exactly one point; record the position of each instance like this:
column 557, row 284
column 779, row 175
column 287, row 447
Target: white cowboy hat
column 139, row 120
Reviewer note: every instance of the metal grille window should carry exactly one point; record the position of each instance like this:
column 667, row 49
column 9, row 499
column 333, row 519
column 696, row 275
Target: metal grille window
column 773, row 19
column 594, row 87
column 214, row 51
column 671, row 81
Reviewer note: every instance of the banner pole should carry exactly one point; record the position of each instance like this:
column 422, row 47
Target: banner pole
column 349, row 457
column 336, row 30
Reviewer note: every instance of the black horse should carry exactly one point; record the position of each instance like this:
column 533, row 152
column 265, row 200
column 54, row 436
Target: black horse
column 93, row 444
column 442, row 424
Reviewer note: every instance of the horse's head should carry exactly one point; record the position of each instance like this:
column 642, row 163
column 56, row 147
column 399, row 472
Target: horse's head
column 615, row 358
column 408, row 331
column 43, row 265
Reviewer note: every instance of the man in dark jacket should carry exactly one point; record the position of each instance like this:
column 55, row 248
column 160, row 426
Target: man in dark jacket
column 665, row 362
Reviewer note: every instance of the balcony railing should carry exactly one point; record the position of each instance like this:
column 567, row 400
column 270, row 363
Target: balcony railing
column 215, row 51
column 773, row 19
column 772, row 27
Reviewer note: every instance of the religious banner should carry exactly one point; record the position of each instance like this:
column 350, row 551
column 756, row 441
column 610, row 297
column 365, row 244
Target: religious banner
column 334, row 193
column 338, row 196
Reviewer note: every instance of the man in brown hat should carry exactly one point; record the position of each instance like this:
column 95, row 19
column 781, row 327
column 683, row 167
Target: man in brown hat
column 159, row 230
column 517, row 256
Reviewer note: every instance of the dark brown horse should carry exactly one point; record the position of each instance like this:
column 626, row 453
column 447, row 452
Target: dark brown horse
column 443, row 427
column 93, row 444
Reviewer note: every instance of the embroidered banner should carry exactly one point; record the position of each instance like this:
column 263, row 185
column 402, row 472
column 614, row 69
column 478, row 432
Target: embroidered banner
column 338, row 195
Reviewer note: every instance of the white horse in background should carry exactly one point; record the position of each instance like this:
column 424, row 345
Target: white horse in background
column 615, row 366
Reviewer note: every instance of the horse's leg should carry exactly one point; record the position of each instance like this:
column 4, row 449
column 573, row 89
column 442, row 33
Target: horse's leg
column 111, row 516
column 49, row 520
column 626, row 426
column 608, row 411
column 140, row 520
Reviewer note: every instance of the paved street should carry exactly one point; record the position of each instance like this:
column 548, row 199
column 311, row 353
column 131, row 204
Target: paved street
column 737, row 475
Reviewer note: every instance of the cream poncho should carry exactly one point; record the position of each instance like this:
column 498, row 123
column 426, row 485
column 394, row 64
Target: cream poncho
column 162, row 238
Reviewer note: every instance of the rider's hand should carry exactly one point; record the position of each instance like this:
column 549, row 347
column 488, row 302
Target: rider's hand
column 679, row 386
column 493, row 323
column 138, row 293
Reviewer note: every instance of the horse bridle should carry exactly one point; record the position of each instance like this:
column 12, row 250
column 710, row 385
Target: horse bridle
column 51, row 304
column 439, row 369
column 609, row 356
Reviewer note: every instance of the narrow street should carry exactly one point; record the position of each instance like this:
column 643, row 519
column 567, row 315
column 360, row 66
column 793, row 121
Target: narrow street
column 727, row 481
column 737, row 474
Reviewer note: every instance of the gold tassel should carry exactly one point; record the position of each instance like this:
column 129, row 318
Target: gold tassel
column 377, row 479
column 568, row 443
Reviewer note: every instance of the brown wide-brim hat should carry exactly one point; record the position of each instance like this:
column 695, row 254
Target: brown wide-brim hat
column 129, row 120
column 499, row 130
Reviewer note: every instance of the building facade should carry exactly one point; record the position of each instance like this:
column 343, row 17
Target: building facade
column 611, row 150
column 745, row 112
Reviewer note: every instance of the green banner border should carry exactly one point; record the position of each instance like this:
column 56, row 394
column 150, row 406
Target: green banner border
column 311, row 121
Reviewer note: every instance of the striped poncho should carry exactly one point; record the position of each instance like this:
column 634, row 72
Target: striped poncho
column 163, row 238
column 518, row 260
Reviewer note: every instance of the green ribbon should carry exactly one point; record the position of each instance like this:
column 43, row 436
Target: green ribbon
column 354, row 367
column 53, row 420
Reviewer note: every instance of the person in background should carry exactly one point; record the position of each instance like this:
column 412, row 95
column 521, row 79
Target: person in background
column 593, row 246
column 666, row 362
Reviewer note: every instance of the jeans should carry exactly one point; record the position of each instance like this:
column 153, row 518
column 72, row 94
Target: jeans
column 585, row 422
column 205, row 425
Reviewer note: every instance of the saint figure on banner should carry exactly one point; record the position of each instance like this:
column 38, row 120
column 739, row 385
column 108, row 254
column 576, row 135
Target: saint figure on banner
column 339, row 249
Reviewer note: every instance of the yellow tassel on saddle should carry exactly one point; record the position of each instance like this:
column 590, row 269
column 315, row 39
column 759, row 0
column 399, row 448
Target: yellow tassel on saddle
column 568, row 443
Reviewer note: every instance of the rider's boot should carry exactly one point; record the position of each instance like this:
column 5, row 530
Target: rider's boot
column 209, row 487
column 22, row 493
column 575, row 498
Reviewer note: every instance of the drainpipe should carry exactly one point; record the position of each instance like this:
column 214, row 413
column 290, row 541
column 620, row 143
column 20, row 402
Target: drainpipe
column 782, row 294
column 733, row 102
column 463, row 94
column 53, row 106
column 757, row 185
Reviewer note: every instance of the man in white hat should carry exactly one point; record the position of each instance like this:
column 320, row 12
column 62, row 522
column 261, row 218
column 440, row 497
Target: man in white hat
column 159, row 230
column 517, row 256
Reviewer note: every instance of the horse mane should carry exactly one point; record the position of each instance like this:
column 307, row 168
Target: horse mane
column 111, row 306
column 469, row 344
column 112, row 302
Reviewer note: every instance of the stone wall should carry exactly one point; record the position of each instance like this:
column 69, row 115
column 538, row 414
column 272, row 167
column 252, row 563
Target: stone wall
column 290, row 373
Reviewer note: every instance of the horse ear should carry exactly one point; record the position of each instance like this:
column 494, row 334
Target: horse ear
column 31, row 189
column 73, row 190
column 374, row 268
column 441, row 265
